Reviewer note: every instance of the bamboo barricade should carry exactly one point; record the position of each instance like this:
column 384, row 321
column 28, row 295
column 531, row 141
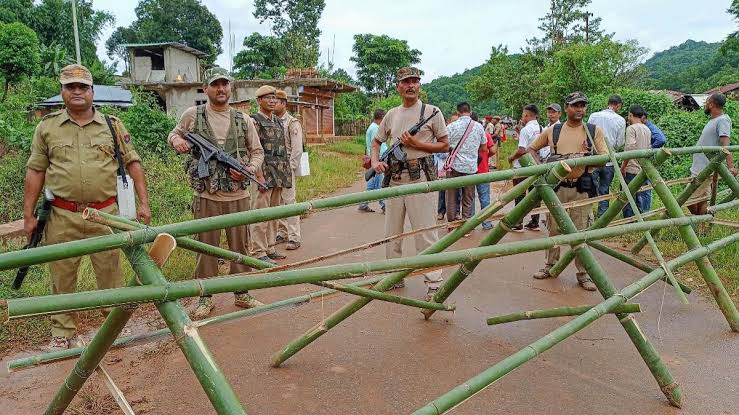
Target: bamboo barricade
column 557, row 312
column 165, row 294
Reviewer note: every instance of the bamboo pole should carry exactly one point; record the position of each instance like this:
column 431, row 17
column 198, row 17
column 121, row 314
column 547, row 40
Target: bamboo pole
column 337, row 317
column 202, row 362
column 637, row 213
column 683, row 197
column 519, row 211
column 16, row 259
column 723, row 206
column 377, row 295
column 94, row 352
column 481, row 381
column 557, row 312
column 691, row 240
column 607, row 289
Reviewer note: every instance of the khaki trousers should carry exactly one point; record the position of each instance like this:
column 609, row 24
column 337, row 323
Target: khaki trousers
column 263, row 234
column 65, row 226
column 582, row 217
column 421, row 211
column 236, row 236
column 289, row 228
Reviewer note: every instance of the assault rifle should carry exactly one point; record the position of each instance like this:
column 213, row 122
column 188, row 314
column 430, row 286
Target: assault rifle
column 42, row 214
column 208, row 151
column 396, row 150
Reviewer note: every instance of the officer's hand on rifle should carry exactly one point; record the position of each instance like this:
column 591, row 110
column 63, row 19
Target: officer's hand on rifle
column 143, row 213
column 408, row 140
column 237, row 176
column 379, row 166
column 29, row 225
column 180, row 145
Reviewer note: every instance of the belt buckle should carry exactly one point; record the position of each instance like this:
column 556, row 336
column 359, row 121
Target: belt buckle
column 81, row 206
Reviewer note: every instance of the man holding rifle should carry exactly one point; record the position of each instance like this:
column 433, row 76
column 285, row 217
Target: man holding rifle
column 223, row 190
column 418, row 165
column 73, row 154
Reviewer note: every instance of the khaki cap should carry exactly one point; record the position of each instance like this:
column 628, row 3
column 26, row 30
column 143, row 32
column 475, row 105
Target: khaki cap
column 215, row 73
column 75, row 73
column 408, row 72
column 281, row 94
column 266, row 90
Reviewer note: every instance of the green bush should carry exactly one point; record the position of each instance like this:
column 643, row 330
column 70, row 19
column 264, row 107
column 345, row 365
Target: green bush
column 12, row 169
column 656, row 104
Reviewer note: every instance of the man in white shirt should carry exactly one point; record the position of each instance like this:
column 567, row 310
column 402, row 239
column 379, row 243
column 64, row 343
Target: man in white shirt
column 614, row 127
column 528, row 133
column 464, row 158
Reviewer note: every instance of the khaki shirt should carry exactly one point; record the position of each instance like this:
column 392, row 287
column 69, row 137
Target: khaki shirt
column 79, row 160
column 638, row 137
column 293, row 138
column 571, row 141
column 400, row 119
column 220, row 122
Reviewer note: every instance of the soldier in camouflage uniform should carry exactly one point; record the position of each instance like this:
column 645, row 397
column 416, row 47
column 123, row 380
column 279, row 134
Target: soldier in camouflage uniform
column 224, row 190
column 72, row 153
column 288, row 229
column 276, row 170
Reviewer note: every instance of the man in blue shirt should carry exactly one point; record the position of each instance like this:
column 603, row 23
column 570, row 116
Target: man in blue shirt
column 376, row 181
column 658, row 140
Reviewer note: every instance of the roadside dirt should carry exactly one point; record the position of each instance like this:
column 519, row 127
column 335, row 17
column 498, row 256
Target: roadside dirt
column 387, row 360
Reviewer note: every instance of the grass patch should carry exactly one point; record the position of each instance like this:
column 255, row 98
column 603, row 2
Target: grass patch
column 355, row 147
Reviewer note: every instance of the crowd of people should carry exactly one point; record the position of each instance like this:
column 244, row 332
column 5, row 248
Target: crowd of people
column 80, row 155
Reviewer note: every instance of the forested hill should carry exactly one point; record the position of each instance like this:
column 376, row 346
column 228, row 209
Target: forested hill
column 693, row 67
column 447, row 91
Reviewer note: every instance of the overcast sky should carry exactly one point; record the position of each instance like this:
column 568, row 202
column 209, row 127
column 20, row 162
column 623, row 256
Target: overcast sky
column 454, row 39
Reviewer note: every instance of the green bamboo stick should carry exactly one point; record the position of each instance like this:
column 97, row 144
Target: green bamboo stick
column 53, row 304
column 557, row 312
column 634, row 261
column 683, row 197
column 723, row 206
column 139, row 339
column 202, row 362
column 340, row 315
column 729, row 179
column 519, row 211
column 377, row 295
column 481, row 381
column 607, row 289
column 652, row 244
column 691, row 240
column 16, row 259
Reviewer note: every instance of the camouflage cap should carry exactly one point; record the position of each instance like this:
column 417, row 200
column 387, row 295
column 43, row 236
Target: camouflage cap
column 215, row 73
column 265, row 90
column 75, row 74
column 408, row 72
column 281, row 94
column 555, row 107
column 576, row 97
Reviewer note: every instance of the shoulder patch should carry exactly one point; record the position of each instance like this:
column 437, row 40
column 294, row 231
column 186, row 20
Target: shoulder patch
column 52, row 115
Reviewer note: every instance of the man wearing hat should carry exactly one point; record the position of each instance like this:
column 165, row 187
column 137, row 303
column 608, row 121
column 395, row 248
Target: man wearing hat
column 419, row 166
column 224, row 190
column 572, row 138
column 288, row 229
column 278, row 174
column 73, row 154
column 495, row 129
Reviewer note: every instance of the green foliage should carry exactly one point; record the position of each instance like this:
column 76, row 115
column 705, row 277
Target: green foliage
column 53, row 59
column 378, row 59
column 185, row 21
column 352, row 106
column 682, row 129
column 388, row 102
column 148, row 125
column 19, row 53
column 263, row 57
column 565, row 23
column 447, row 91
column 12, row 170
column 295, row 24
column 693, row 67
column 16, row 130
column 656, row 104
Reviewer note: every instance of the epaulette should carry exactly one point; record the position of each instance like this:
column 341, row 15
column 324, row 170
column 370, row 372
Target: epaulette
column 52, row 115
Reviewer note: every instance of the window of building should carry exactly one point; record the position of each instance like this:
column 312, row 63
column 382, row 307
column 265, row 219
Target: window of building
column 156, row 55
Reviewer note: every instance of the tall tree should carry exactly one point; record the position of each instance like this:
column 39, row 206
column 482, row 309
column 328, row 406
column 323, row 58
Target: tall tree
column 567, row 21
column 16, row 11
column 732, row 41
column 378, row 59
column 295, row 22
column 263, row 57
column 185, row 21
column 19, row 53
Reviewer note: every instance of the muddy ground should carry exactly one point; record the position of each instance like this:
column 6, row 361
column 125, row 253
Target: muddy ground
column 387, row 360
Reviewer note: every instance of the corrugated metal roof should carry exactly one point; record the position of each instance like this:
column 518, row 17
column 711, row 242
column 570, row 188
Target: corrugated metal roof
column 176, row 45
column 104, row 95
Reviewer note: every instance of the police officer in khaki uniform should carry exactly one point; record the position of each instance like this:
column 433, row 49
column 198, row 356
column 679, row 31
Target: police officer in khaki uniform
column 573, row 138
column 224, row 190
column 73, row 155
column 288, row 229
column 432, row 138
column 276, row 170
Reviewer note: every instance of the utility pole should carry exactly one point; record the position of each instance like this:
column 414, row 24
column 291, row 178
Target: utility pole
column 76, row 32
column 587, row 26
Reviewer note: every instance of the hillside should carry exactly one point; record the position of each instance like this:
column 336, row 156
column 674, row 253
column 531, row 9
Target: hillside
column 447, row 91
column 693, row 66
